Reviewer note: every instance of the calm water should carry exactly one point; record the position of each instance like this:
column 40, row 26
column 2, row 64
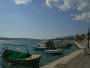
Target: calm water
column 46, row 58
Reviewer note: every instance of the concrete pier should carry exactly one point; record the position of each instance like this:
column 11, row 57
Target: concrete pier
column 73, row 60
column 63, row 61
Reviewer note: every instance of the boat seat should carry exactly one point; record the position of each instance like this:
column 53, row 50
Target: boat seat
column 33, row 57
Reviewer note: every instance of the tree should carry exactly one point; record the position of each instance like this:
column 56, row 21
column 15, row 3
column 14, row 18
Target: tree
column 50, row 44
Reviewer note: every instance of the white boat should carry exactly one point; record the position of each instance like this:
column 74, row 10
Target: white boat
column 40, row 45
column 54, row 51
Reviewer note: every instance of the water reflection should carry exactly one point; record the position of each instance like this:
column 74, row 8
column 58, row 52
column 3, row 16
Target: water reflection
column 9, row 65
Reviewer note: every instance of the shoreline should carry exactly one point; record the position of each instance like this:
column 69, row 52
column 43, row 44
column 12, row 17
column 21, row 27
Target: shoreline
column 63, row 60
column 66, row 59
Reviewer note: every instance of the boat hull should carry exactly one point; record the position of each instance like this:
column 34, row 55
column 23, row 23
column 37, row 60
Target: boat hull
column 54, row 51
column 19, row 58
column 24, row 62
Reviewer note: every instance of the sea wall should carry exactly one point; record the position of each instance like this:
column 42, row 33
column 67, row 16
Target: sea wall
column 63, row 60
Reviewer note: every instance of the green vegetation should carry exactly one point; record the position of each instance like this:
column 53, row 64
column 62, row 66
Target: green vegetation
column 50, row 44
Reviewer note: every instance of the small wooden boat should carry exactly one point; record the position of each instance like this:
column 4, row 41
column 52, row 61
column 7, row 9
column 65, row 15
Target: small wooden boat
column 54, row 51
column 20, row 58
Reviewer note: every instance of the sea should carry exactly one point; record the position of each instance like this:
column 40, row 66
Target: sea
column 45, row 58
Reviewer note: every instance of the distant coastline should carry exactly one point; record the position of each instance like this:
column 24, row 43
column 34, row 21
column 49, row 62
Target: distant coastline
column 4, row 38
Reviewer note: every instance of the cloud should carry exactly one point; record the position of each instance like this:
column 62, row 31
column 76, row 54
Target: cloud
column 60, row 4
column 19, row 2
column 85, row 16
column 82, row 6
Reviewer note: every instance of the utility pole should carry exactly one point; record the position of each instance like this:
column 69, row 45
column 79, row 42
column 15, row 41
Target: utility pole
column 88, row 37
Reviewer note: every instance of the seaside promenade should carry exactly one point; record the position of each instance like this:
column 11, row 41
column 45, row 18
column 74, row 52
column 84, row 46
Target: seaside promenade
column 81, row 61
column 77, row 59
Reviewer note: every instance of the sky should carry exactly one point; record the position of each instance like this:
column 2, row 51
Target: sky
column 43, row 19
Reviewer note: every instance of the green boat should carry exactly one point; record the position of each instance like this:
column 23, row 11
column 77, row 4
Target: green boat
column 20, row 57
